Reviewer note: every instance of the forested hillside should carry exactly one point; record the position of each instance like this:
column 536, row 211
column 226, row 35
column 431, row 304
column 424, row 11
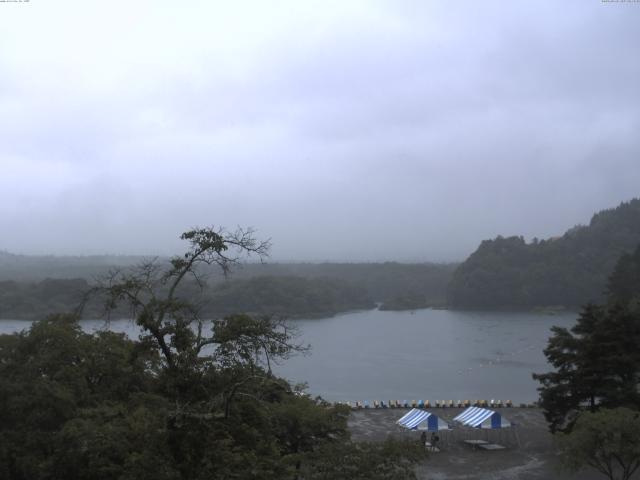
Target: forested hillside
column 285, row 296
column 567, row 271
column 288, row 296
column 32, row 287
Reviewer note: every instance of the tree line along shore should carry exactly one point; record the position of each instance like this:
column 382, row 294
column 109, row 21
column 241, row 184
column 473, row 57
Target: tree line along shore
column 548, row 275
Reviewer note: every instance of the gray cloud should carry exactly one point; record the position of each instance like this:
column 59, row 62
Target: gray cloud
column 343, row 130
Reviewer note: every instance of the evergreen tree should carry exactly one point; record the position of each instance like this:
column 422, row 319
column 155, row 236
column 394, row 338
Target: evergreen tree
column 597, row 362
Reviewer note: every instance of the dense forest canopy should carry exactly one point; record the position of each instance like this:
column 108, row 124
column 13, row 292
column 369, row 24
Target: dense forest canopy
column 292, row 297
column 567, row 271
column 293, row 290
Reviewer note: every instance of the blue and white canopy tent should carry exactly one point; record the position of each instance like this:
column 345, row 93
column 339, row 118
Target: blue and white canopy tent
column 487, row 421
column 417, row 419
column 477, row 417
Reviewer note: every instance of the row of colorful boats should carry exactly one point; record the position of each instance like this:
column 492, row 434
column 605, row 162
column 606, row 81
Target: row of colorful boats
column 436, row 404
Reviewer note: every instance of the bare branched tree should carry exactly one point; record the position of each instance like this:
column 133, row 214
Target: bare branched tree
column 206, row 364
column 150, row 290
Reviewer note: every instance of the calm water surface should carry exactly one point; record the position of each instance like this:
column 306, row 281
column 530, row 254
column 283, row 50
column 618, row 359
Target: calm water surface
column 426, row 354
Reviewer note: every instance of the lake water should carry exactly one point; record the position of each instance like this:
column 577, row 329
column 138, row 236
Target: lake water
column 426, row 354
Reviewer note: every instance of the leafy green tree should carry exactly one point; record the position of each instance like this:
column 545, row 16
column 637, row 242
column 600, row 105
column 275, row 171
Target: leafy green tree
column 189, row 399
column 207, row 367
column 389, row 460
column 55, row 380
column 152, row 293
column 303, row 425
column 607, row 440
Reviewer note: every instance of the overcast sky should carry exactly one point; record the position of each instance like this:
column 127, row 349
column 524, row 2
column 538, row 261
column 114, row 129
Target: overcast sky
column 344, row 130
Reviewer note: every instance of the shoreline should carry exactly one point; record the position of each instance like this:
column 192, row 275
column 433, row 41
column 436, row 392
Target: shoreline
column 549, row 311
